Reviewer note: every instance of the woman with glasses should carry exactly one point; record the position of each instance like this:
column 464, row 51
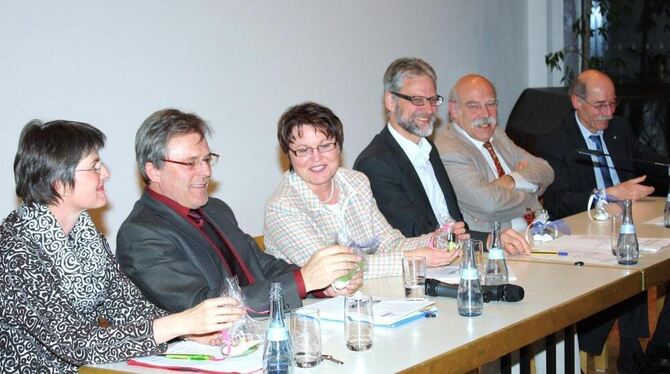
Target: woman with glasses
column 318, row 203
column 58, row 275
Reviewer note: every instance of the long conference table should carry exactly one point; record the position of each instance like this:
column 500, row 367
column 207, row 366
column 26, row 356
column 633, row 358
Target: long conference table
column 557, row 295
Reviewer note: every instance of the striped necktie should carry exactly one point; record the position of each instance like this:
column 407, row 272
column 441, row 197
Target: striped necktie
column 602, row 163
column 499, row 167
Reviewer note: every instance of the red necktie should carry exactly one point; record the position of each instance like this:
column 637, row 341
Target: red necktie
column 499, row 167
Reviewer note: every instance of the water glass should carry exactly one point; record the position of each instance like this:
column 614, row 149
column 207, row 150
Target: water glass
column 358, row 322
column 414, row 277
column 306, row 335
column 615, row 219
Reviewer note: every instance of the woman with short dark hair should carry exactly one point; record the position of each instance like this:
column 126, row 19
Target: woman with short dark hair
column 57, row 274
column 318, row 203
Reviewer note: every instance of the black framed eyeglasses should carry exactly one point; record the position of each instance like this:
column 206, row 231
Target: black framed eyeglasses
column 307, row 151
column 420, row 100
column 601, row 105
column 96, row 169
column 210, row 159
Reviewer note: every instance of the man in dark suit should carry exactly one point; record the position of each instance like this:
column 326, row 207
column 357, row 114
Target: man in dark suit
column 407, row 177
column 592, row 125
column 179, row 245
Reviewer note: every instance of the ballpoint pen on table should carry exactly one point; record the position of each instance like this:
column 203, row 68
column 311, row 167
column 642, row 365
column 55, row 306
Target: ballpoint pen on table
column 187, row 356
column 549, row 252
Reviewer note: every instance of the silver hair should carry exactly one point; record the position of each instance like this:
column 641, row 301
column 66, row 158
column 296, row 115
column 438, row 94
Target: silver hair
column 406, row 67
column 156, row 132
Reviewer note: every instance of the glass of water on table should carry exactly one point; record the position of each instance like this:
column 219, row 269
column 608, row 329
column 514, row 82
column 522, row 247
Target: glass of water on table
column 414, row 277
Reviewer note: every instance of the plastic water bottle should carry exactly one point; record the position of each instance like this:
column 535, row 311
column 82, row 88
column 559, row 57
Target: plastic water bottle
column 278, row 352
column 627, row 250
column 496, row 267
column 469, row 300
column 666, row 213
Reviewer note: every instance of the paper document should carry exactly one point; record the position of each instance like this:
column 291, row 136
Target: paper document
column 657, row 221
column 387, row 312
column 600, row 243
column 593, row 249
column 452, row 274
column 245, row 364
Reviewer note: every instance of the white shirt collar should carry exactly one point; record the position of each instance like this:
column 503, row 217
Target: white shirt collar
column 417, row 153
column 586, row 132
column 477, row 143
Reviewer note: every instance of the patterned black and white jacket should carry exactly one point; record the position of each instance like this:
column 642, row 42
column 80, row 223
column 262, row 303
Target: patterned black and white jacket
column 53, row 289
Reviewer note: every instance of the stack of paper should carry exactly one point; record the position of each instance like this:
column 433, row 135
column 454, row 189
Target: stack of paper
column 387, row 312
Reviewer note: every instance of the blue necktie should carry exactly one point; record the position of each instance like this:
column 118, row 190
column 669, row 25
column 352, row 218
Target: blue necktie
column 602, row 163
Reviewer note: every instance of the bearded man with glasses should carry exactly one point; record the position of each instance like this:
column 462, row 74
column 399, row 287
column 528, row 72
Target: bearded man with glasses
column 408, row 180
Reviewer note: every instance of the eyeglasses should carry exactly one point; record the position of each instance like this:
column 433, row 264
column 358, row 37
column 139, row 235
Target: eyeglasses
column 421, row 100
column 210, row 159
column 307, row 151
column 95, row 169
column 476, row 107
column 601, row 105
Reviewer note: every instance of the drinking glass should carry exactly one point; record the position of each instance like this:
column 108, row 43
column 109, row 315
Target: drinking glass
column 306, row 334
column 615, row 219
column 414, row 277
column 358, row 322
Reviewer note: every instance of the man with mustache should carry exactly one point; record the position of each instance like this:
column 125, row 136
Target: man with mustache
column 494, row 179
column 407, row 178
column 593, row 125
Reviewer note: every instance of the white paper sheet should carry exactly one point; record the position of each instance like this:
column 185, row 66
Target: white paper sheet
column 593, row 249
column 387, row 312
column 657, row 221
column 452, row 274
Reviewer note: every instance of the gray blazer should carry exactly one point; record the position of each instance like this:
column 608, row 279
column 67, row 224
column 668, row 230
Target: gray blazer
column 175, row 267
column 481, row 200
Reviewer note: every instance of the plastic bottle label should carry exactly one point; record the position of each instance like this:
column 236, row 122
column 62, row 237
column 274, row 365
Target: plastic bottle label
column 469, row 273
column 627, row 228
column 277, row 334
column 496, row 254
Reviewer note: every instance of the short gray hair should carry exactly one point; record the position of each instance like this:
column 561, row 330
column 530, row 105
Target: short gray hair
column 156, row 132
column 406, row 67
column 578, row 87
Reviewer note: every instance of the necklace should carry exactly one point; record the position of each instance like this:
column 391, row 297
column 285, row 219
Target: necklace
column 332, row 191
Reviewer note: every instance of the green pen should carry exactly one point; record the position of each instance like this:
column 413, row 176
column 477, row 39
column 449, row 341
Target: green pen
column 186, row 356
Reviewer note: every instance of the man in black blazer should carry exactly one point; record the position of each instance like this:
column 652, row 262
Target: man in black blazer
column 576, row 175
column 592, row 125
column 411, row 193
column 179, row 245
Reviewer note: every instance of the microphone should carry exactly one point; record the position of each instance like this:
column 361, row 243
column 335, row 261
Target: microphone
column 504, row 292
column 591, row 152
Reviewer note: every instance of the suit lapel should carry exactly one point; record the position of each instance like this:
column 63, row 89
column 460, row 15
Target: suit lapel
column 445, row 184
column 403, row 162
column 178, row 223
column 231, row 247
column 585, row 163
